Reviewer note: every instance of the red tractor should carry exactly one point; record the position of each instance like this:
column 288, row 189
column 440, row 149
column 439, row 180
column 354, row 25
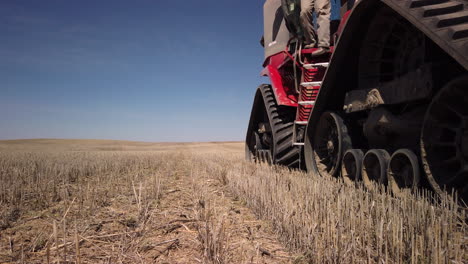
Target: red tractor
column 388, row 105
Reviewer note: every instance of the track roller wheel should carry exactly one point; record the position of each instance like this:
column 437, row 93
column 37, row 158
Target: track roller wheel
column 403, row 172
column 444, row 139
column 269, row 137
column 262, row 154
column 374, row 167
column 331, row 141
column 351, row 166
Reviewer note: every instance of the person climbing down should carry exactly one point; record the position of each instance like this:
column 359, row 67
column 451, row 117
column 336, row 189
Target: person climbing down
column 323, row 9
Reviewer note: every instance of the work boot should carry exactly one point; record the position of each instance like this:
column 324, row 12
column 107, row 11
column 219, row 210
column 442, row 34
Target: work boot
column 320, row 51
column 309, row 46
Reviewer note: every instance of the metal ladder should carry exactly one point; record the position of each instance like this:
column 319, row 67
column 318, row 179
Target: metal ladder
column 305, row 104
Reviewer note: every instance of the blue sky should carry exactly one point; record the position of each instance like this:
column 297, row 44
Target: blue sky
column 150, row 70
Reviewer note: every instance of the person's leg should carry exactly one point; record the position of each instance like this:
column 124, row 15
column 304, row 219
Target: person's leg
column 307, row 23
column 323, row 10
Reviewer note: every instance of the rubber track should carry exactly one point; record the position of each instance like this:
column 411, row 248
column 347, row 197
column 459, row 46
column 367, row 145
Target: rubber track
column 282, row 125
column 443, row 21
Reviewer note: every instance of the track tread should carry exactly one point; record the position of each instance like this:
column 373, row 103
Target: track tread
column 282, row 124
column 421, row 3
column 441, row 9
column 451, row 19
column 443, row 21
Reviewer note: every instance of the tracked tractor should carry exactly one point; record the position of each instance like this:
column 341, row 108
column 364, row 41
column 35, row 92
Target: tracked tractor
column 388, row 105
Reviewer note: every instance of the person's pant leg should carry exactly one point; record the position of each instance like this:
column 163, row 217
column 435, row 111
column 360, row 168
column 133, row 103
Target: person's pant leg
column 323, row 10
column 306, row 20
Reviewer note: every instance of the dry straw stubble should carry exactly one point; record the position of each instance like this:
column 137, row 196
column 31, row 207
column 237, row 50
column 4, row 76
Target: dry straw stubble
column 331, row 222
column 88, row 193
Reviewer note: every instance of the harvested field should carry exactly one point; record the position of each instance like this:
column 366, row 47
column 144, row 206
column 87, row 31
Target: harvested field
column 90, row 201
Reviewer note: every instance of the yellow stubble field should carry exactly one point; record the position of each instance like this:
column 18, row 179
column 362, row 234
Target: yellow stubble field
column 99, row 201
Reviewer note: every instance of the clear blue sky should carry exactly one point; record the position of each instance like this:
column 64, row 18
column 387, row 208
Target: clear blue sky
column 150, row 70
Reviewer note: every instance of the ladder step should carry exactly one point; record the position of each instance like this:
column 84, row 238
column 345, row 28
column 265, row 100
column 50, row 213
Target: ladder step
column 300, row 122
column 316, row 65
column 298, row 144
column 306, row 102
column 305, row 84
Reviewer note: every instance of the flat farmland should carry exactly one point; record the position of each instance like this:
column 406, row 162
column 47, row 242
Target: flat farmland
column 98, row 201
